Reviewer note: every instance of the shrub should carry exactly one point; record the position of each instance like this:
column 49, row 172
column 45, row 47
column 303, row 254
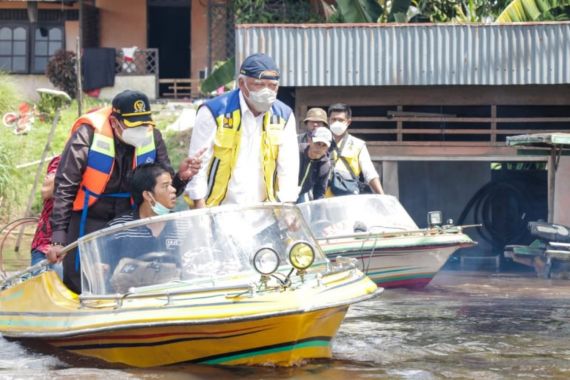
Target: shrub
column 6, row 182
column 61, row 72
column 8, row 95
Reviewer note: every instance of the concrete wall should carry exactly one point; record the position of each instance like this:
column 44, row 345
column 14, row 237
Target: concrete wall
column 71, row 35
column 26, row 85
column 144, row 83
column 199, row 38
column 123, row 23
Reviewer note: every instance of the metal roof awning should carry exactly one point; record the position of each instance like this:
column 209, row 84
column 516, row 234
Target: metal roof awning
column 541, row 140
column 447, row 54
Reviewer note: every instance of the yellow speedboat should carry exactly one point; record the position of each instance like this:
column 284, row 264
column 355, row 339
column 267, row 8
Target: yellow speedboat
column 229, row 285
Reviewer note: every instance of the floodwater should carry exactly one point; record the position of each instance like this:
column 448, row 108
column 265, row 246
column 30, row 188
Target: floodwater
column 462, row 326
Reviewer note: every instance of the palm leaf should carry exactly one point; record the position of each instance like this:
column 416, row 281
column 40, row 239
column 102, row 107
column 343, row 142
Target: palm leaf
column 358, row 11
column 221, row 76
column 529, row 10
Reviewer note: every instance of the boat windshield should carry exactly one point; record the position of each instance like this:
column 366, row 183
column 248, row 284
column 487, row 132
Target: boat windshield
column 201, row 248
column 347, row 215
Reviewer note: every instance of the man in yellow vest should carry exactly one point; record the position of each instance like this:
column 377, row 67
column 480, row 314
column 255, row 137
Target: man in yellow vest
column 92, row 180
column 250, row 140
column 349, row 157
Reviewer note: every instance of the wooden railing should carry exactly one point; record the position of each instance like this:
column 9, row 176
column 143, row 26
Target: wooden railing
column 491, row 127
column 144, row 62
column 180, row 88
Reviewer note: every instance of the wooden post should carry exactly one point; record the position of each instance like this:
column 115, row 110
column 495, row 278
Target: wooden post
column 551, row 183
column 79, row 84
column 78, row 46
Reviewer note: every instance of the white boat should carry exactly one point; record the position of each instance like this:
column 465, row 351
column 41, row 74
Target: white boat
column 386, row 243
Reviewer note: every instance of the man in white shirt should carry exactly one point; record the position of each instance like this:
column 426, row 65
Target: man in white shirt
column 250, row 141
column 350, row 156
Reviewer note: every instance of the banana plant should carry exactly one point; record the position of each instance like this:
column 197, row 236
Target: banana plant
column 533, row 10
column 359, row 11
column 220, row 76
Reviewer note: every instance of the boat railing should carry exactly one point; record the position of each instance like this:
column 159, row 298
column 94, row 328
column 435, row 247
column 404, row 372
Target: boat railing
column 119, row 298
column 388, row 234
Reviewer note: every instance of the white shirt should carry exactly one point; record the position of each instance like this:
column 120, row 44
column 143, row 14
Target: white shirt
column 246, row 183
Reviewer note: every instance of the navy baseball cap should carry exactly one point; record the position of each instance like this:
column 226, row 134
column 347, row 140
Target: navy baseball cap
column 133, row 108
column 260, row 66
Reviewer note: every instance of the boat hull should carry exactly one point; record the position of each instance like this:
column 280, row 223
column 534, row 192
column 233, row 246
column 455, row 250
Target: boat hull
column 397, row 262
column 254, row 342
column 228, row 327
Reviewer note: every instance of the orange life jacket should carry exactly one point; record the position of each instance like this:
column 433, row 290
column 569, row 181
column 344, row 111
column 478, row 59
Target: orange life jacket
column 101, row 157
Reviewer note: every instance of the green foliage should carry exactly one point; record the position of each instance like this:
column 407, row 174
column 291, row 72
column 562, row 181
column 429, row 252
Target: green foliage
column 273, row 11
column 61, row 72
column 434, row 11
column 48, row 104
column 359, row 11
column 9, row 98
column 220, row 76
column 6, row 174
column 177, row 144
column 535, row 10
column 22, row 150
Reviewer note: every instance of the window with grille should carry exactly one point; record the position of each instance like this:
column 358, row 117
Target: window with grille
column 22, row 52
column 14, row 48
column 47, row 40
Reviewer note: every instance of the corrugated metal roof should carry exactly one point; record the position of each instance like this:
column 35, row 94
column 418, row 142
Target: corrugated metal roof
column 412, row 54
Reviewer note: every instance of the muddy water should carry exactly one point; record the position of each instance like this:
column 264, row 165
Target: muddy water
column 463, row 326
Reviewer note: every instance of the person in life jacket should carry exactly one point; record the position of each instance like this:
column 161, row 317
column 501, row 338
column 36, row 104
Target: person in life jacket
column 349, row 155
column 250, row 140
column 92, row 180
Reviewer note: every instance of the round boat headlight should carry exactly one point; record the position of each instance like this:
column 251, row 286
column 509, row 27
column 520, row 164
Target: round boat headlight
column 301, row 255
column 266, row 261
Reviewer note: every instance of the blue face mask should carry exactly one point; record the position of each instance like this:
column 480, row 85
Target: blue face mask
column 159, row 209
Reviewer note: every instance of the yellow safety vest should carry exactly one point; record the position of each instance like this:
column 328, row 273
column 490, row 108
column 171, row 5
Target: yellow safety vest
column 227, row 113
column 350, row 152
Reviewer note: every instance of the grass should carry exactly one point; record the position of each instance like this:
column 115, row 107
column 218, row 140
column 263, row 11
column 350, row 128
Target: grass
column 17, row 152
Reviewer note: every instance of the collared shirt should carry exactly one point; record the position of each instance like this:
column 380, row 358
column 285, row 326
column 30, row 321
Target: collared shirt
column 364, row 161
column 246, row 183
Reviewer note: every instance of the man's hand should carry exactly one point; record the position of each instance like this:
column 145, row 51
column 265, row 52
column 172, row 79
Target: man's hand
column 53, row 254
column 191, row 166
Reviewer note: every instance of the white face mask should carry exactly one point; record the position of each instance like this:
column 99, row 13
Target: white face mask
column 135, row 136
column 338, row 128
column 261, row 100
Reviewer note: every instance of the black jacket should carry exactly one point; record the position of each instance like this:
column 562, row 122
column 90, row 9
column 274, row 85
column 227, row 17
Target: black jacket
column 313, row 174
